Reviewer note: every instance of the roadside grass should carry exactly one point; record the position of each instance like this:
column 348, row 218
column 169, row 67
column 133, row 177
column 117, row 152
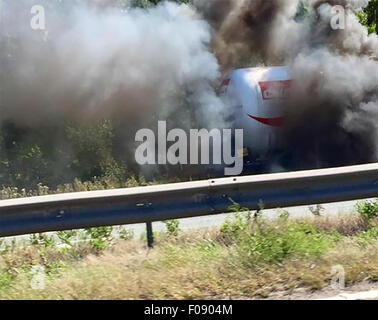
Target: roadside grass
column 102, row 183
column 247, row 257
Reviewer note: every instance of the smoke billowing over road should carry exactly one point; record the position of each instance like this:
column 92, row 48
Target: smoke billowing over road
column 331, row 114
column 96, row 61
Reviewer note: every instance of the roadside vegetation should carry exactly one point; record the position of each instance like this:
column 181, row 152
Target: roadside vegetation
column 247, row 257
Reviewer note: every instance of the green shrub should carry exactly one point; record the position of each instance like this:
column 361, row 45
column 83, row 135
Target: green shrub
column 173, row 227
column 42, row 239
column 235, row 226
column 368, row 209
column 240, row 221
column 125, row 234
column 55, row 268
column 67, row 236
column 368, row 16
column 275, row 243
column 256, row 240
column 367, row 237
column 5, row 280
column 99, row 238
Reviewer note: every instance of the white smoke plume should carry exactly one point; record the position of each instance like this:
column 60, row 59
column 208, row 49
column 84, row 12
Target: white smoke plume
column 97, row 61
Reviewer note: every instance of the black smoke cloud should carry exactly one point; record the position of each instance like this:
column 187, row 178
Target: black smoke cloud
column 243, row 29
column 331, row 113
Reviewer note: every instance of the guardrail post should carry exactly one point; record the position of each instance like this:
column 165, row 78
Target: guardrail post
column 150, row 235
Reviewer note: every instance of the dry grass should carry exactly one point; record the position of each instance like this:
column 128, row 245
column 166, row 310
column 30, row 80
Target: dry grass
column 130, row 272
column 194, row 265
column 346, row 224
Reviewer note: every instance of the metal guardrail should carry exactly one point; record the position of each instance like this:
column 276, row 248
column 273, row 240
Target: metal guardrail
column 188, row 199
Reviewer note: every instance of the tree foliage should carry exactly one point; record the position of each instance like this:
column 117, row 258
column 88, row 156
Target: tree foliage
column 368, row 17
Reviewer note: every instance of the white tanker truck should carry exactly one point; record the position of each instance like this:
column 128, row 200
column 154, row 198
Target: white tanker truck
column 254, row 95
